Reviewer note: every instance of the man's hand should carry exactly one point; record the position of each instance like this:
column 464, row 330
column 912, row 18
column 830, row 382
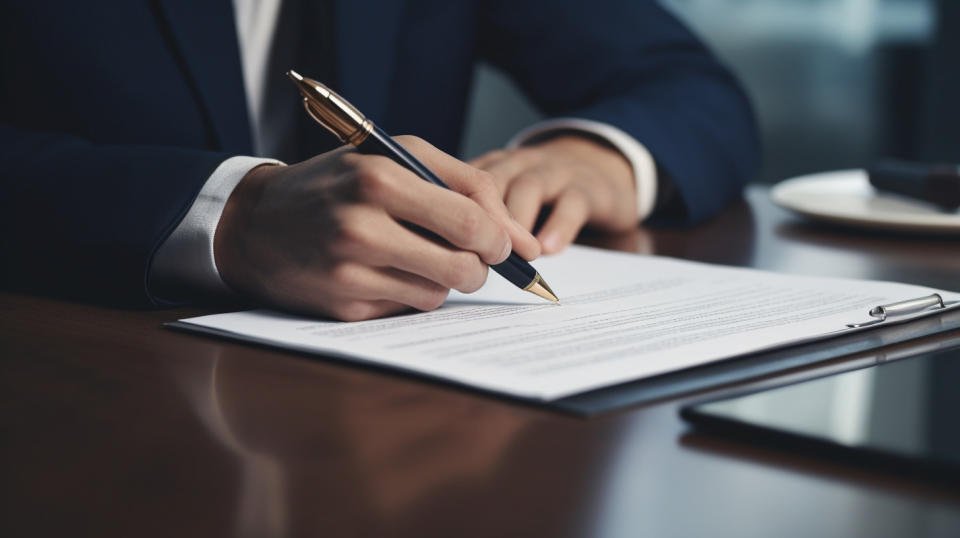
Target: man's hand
column 585, row 182
column 325, row 236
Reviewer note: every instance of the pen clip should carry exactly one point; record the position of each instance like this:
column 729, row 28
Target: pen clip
column 902, row 308
column 317, row 118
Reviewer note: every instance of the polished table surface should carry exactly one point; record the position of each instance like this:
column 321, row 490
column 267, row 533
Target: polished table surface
column 111, row 425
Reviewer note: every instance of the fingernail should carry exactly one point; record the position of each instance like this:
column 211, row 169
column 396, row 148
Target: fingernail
column 506, row 251
column 551, row 243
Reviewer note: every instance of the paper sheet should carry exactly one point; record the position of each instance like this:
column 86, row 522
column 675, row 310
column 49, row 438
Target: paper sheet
column 622, row 317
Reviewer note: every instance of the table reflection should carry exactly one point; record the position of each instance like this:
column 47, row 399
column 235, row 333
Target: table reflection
column 379, row 454
column 729, row 238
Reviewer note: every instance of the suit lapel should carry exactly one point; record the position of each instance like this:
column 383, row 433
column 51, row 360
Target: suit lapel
column 204, row 35
column 366, row 36
column 205, row 38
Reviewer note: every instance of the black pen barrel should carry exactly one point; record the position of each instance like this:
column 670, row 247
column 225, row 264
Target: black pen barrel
column 380, row 143
column 516, row 270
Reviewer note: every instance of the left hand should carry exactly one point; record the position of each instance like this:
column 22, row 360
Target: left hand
column 583, row 181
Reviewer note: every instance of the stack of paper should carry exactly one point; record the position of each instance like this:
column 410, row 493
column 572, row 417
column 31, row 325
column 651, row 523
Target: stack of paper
column 623, row 317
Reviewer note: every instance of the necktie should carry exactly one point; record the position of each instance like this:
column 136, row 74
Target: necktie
column 304, row 41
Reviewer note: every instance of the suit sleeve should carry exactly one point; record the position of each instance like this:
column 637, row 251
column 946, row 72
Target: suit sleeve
column 84, row 220
column 631, row 64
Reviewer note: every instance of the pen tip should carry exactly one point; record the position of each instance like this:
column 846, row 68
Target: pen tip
column 294, row 75
column 540, row 288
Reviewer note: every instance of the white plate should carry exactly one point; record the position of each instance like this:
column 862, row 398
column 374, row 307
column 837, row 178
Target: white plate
column 846, row 197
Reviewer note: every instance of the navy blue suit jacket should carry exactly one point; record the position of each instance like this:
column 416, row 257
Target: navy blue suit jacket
column 113, row 113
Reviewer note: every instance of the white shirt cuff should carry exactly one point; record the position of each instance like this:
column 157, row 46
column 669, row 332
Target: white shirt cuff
column 644, row 168
column 184, row 264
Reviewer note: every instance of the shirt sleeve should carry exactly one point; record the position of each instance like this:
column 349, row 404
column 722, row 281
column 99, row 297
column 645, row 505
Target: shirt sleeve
column 644, row 168
column 184, row 265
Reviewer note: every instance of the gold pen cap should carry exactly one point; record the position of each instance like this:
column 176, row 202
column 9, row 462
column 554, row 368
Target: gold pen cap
column 335, row 113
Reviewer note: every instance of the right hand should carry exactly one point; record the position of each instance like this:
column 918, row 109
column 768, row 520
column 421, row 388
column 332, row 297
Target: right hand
column 324, row 236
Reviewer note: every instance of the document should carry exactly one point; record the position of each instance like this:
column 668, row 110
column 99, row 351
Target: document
column 622, row 317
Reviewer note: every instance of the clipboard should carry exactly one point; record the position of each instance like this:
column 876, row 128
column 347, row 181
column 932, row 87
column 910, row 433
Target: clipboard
column 886, row 325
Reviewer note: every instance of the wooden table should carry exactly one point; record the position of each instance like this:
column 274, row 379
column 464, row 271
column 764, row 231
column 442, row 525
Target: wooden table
column 113, row 426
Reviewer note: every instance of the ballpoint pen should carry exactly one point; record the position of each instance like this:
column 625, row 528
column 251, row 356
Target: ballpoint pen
column 348, row 124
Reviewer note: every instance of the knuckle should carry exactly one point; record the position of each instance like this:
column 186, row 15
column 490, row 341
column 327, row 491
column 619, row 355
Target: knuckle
column 469, row 225
column 607, row 205
column 530, row 155
column 529, row 181
column 374, row 178
column 350, row 157
column 536, row 177
column 578, row 197
column 485, row 183
column 496, row 154
column 352, row 236
column 345, row 277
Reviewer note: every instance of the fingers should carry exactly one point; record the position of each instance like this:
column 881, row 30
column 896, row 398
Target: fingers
column 356, row 292
column 459, row 175
column 315, row 297
column 363, row 310
column 570, row 213
column 487, row 158
column 313, row 247
column 505, row 166
column 531, row 182
column 544, row 185
column 452, row 216
column 360, row 283
column 384, row 269
column 477, row 185
column 524, row 199
column 371, row 237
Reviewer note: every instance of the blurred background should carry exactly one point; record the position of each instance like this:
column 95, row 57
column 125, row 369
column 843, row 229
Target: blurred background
column 835, row 83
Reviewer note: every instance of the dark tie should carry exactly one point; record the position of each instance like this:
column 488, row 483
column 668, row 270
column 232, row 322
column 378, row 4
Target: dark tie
column 304, row 41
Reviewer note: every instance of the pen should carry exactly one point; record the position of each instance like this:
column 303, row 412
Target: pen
column 348, row 124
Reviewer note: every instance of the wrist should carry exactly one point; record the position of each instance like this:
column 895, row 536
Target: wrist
column 229, row 238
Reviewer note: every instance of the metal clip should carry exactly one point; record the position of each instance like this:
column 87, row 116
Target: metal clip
column 910, row 306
